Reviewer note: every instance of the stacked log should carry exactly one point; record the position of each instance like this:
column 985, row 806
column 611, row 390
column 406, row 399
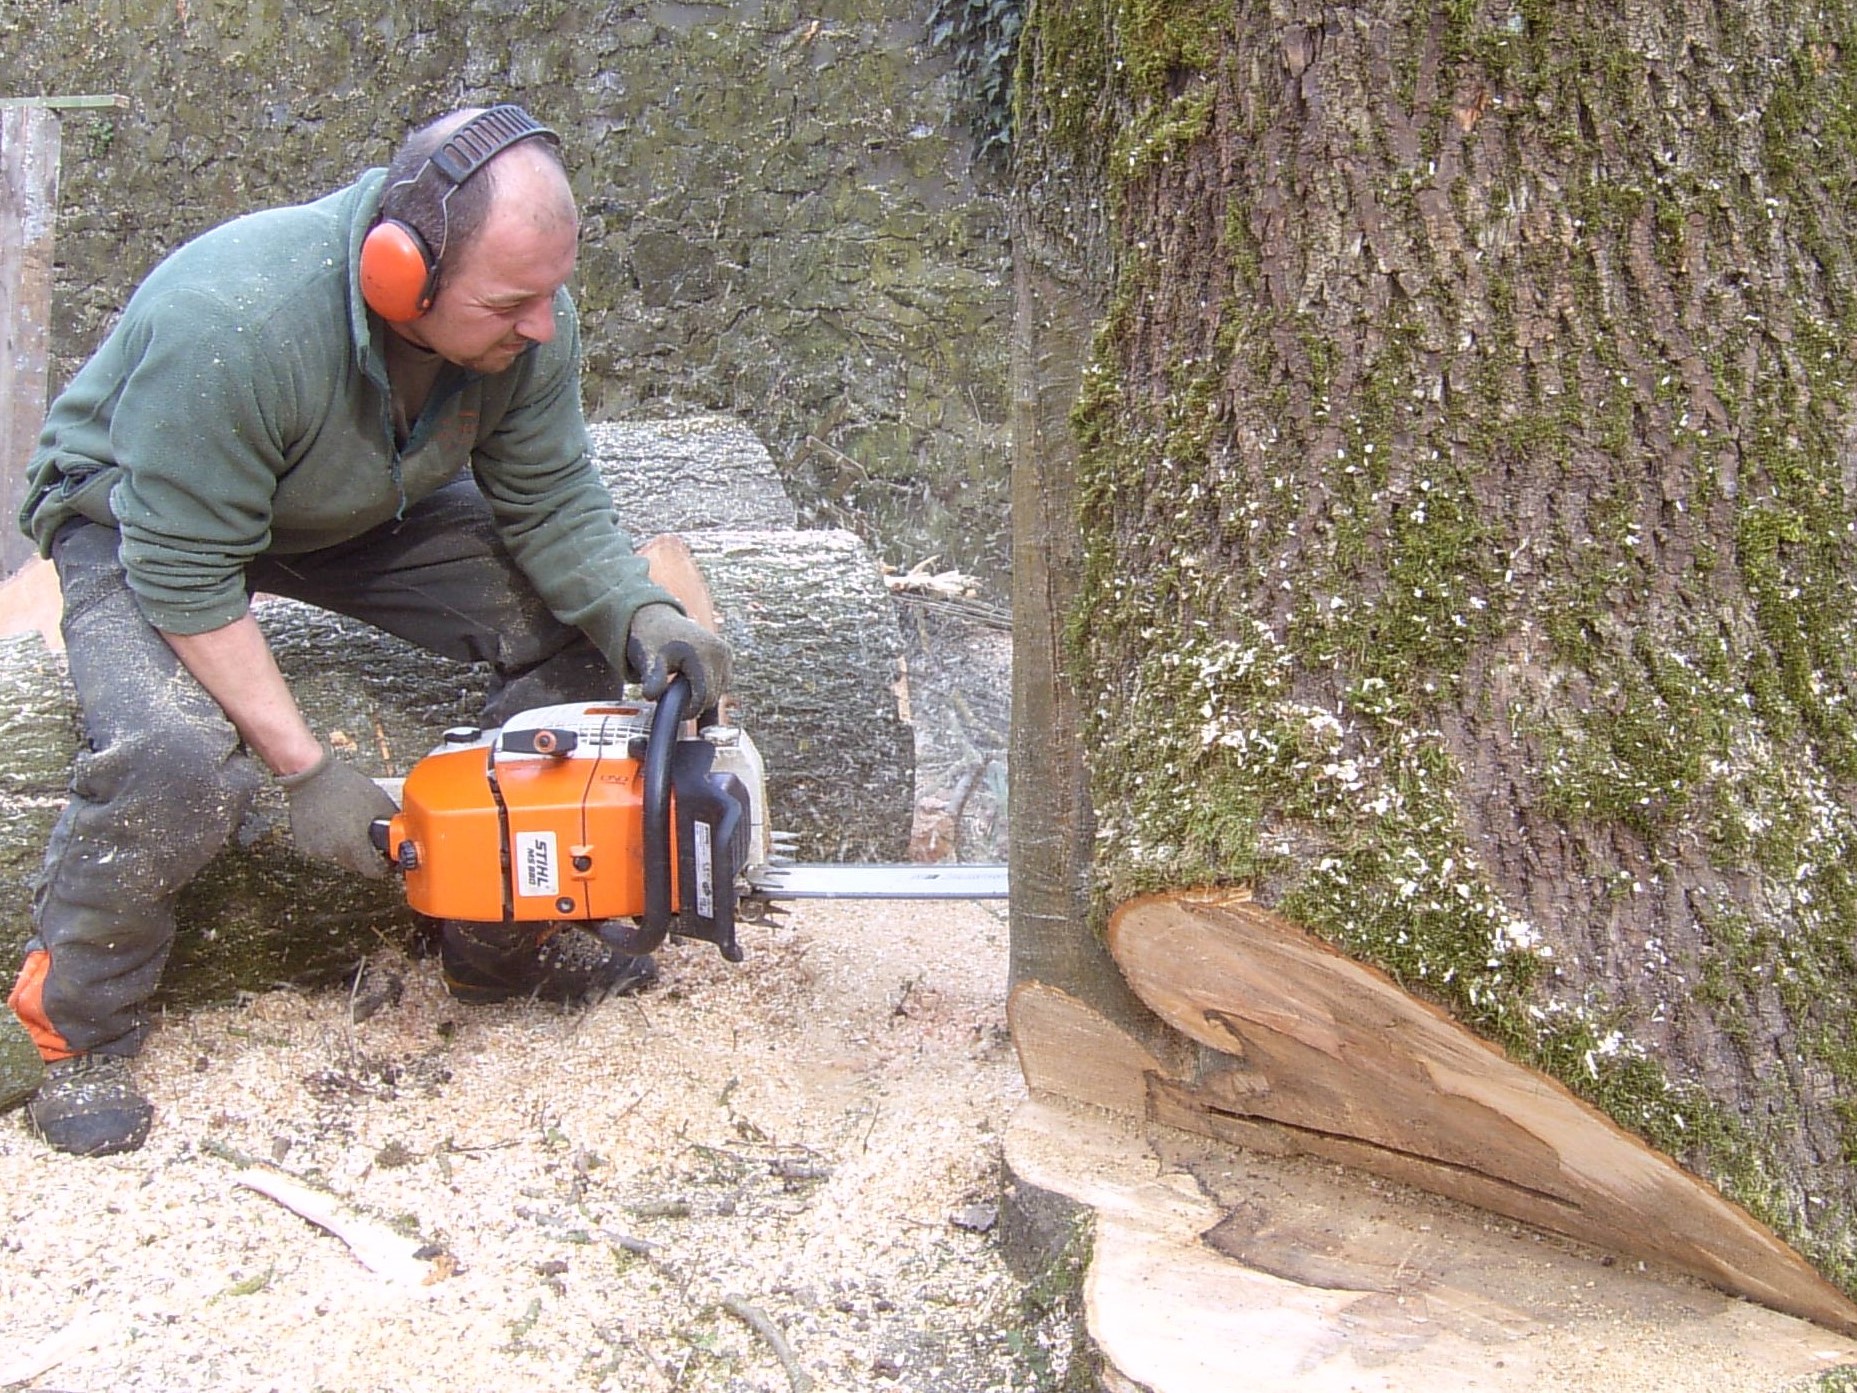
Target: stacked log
column 817, row 656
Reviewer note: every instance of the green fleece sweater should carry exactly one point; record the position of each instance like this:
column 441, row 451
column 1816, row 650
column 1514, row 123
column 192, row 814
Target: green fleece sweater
column 241, row 405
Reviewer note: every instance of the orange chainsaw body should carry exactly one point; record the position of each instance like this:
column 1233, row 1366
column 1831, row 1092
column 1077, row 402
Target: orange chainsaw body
column 536, row 838
column 546, row 819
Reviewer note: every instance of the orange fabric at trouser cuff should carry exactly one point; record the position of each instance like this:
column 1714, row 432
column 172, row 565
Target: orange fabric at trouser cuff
column 28, row 1003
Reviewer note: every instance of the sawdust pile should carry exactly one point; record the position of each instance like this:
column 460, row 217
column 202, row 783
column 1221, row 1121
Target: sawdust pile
column 771, row 1176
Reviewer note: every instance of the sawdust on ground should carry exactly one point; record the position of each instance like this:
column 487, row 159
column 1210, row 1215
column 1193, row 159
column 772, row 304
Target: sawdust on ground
column 613, row 1198
column 752, row 1177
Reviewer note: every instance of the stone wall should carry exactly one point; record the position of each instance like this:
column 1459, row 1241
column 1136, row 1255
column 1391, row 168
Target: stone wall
column 782, row 217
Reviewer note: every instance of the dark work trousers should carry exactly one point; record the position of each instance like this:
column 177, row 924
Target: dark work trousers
column 162, row 780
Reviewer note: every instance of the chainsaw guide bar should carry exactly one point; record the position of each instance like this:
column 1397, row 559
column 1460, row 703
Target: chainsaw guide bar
column 908, row 880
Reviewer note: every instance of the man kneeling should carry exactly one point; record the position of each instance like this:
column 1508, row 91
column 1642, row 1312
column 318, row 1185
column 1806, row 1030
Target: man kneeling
column 370, row 403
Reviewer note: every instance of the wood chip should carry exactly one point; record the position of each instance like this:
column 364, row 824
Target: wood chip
column 80, row 1337
column 376, row 1247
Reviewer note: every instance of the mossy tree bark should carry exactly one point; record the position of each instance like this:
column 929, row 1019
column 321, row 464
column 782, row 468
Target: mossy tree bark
column 1463, row 560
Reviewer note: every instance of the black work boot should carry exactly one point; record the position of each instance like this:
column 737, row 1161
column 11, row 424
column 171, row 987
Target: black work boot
column 90, row 1106
column 562, row 963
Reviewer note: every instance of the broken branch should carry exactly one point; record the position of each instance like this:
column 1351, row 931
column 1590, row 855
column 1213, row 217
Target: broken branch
column 756, row 1320
column 378, row 1249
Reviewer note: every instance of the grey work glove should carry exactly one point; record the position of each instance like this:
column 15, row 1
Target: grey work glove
column 662, row 643
column 331, row 805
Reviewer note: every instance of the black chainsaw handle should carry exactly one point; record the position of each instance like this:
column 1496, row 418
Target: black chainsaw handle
column 654, row 927
column 665, row 721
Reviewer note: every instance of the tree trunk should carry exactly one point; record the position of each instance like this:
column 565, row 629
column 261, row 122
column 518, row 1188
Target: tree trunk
column 31, row 140
column 690, row 473
column 1464, row 479
column 818, row 666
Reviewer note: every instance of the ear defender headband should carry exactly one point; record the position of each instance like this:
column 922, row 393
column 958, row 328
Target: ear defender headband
column 399, row 272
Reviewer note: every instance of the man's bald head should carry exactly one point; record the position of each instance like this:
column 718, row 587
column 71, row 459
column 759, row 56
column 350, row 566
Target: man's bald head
column 529, row 176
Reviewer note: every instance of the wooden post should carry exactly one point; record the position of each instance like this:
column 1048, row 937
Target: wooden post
column 29, row 140
column 29, row 149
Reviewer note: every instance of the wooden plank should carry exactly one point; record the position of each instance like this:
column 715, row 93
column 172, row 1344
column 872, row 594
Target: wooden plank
column 103, row 101
column 30, row 602
column 29, row 148
column 1332, row 1059
column 673, row 566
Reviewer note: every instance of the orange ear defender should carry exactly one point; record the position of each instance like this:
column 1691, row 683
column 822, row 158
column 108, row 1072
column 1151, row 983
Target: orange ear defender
column 399, row 271
column 399, row 275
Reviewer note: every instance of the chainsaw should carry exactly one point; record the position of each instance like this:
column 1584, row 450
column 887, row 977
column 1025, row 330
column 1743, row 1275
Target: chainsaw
column 622, row 814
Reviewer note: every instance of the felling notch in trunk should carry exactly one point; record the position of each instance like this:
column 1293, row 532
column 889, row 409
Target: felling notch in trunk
column 1307, row 1052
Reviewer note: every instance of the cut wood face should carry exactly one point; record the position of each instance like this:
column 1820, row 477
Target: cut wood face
column 1213, row 1267
column 30, row 602
column 1330, row 1058
column 673, row 566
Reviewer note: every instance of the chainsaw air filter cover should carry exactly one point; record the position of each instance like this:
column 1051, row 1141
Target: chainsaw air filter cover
column 544, row 819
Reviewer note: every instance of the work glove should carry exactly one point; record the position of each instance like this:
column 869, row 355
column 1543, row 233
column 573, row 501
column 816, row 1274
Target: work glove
column 662, row 642
column 331, row 805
